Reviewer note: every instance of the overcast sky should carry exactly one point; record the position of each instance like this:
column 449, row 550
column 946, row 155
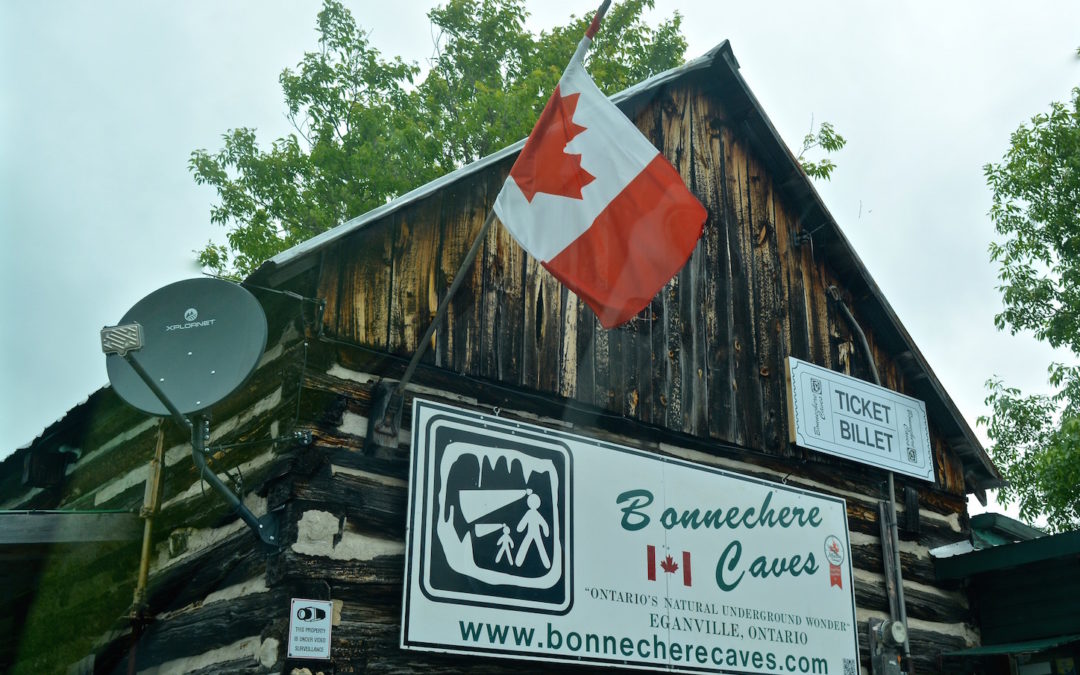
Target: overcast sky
column 101, row 104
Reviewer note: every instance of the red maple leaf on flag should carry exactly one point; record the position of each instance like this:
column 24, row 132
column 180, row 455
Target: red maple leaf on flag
column 669, row 565
column 543, row 165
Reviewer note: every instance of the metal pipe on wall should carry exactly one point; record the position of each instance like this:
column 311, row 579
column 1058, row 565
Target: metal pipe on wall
column 151, row 502
column 900, row 611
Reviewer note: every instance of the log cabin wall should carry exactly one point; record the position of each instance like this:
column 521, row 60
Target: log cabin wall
column 698, row 375
column 207, row 594
column 706, row 358
column 700, row 371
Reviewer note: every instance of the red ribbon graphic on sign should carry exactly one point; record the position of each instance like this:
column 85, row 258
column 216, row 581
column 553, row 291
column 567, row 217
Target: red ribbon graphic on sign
column 834, row 553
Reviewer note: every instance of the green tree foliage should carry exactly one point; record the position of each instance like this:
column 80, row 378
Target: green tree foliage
column 1036, row 210
column 365, row 131
column 827, row 140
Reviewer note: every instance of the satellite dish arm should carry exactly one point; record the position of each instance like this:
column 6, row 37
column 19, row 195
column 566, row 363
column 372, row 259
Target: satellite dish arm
column 177, row 416
column 266, row 527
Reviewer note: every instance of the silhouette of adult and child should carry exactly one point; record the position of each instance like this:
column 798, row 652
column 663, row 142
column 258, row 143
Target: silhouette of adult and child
column 535, row 528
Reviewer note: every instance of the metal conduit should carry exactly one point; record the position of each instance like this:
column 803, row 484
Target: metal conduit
column 899, row 612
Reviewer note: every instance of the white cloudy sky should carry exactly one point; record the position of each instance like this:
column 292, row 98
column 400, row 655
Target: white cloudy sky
column 101, row 104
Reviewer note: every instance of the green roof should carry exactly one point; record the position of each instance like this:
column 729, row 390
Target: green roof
column 995, row 529
column 1009, row 555
column 1029, row 647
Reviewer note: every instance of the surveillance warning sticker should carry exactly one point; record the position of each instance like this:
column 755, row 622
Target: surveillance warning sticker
column 309, row 628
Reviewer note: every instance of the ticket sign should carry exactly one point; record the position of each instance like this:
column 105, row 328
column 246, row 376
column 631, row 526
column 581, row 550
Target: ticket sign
column 541, row 545
column 845, row 416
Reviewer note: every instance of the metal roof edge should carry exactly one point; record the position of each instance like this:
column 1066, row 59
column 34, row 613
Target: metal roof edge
column 325, row 238
column 1000, row 523
column 1026, row 647
column 960, row 434
column 624, row 99
column 1006, row 556
column 980, row 472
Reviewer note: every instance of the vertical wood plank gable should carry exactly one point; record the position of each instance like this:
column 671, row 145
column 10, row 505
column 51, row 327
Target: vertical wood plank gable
column 767, row 303
column 503, row 310
column 460, row 339
column 503, row 305
column 705, row 358
column 746, row 395
column 356, row 283
column 719, row 307
column 587, row 328
column 682, row 136
column 416, row 283
column 670, row 138
column 542, row 334
column 568, row 356
column 782, row 252
column 602, row 396
column 793, row 261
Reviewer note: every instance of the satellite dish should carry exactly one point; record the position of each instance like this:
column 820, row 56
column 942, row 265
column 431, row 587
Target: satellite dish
column 200, row 340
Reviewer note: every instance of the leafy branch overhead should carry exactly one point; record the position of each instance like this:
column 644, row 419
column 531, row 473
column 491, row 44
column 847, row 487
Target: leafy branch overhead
column 827, row 140
column 367, row 129
column 1036, row 212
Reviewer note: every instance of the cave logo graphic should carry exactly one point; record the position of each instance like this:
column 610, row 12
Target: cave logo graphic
column 497, row 519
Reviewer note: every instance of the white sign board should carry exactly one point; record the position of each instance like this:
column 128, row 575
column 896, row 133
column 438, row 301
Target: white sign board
column 309, row 628
column 535, row 544
column 847, row 417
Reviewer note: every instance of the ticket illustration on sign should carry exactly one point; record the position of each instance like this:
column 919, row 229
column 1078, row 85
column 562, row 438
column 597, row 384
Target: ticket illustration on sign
column 538, row 544
column 848, row 417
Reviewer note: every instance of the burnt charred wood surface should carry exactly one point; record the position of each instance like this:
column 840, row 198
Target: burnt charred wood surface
column 699, row 374
column 706, row 357
column 342, row 396
column 228, row 562
column 927, row 605
column 364, row 488
column 377, row 503
column 374, row 503
column 204, row 628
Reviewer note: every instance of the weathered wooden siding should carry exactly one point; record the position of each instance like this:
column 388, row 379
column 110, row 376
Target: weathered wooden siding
column 698, row 375
column 363, row 493
column 82, row 598
column 706, row 358
column 220, row 603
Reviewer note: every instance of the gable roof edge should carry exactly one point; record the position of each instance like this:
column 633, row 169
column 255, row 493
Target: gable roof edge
column 980, row 473
column 720, row 63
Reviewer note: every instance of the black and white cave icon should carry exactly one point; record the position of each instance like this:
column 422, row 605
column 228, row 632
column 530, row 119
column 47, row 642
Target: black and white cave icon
column 498, row 528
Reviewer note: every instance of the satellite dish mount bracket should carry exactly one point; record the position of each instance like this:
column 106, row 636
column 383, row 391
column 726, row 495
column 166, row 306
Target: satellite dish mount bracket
column 265, row 528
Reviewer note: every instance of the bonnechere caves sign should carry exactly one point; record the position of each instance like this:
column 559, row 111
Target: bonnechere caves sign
column 535, row 544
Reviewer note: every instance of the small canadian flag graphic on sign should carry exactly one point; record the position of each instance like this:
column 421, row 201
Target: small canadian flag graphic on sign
column 667, row 565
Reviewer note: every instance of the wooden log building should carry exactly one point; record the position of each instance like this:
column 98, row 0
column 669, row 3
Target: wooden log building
column 698, row 375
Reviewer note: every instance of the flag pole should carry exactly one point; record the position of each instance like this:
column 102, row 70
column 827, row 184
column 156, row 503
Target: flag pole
column 387, row 400
column 597, row 18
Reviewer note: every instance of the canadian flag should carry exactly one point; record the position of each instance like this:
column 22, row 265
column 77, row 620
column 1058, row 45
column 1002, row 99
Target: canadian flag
column 599, row 206
column 667, row 565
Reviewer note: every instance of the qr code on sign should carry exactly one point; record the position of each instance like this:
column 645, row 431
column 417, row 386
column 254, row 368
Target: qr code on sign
column 850, row 668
